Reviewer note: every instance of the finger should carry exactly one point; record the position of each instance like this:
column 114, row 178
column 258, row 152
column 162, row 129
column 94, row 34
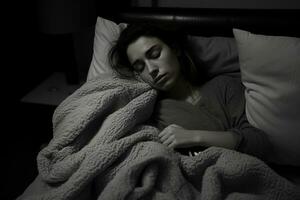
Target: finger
column 175, row 126
column 165, row 137
column 165, row 134
column 169, row 140
column 169, row 129
column 161, row 133
column 172, row 145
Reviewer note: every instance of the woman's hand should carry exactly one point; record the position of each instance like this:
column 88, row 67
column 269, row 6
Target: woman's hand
column 175, row 136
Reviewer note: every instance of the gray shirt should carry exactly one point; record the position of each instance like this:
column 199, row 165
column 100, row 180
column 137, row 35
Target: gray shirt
column 220, row 108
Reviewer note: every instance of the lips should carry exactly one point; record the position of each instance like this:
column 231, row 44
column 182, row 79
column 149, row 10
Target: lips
column 159, row 78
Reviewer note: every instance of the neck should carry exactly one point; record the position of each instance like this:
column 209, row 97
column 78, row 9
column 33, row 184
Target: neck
column 180, row 91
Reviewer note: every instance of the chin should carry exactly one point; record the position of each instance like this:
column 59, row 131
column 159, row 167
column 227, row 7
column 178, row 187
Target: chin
column 166, row 87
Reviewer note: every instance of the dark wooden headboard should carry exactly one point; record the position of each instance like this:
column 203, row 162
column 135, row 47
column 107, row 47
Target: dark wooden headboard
column 206, row 22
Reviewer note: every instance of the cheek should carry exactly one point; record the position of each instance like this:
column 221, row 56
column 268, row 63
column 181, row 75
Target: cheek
column 171, row 58
column 174, row 66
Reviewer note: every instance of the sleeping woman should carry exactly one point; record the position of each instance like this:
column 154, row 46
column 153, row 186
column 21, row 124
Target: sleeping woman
column 193, row 112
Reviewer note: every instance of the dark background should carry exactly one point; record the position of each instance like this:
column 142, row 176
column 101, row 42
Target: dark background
column 30, row 56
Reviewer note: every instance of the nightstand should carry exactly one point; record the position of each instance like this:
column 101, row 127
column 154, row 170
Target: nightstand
column 52, row 91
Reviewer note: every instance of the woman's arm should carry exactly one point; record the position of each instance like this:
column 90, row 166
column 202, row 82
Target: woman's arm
column 175, row 136
column 253, row 140
column 239, row 133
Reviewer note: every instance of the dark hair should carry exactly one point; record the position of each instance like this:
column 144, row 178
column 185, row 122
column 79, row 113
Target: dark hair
column 173, row 38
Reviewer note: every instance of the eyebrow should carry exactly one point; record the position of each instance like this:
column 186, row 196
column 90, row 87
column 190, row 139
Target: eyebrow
column 147, row 53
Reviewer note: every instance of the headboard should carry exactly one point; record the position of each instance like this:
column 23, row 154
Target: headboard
column 218, row 22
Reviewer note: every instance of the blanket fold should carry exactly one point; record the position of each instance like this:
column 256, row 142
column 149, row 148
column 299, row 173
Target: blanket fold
column 102, row 148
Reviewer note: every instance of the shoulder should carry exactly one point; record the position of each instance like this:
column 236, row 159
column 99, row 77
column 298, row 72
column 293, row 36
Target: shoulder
column 223, row 81
column 224, row 86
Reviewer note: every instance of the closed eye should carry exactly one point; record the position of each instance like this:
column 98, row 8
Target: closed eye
column 154, row 52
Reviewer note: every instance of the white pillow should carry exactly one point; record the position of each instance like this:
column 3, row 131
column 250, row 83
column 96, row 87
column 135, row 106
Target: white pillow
column 106, row 32
column 270, row 70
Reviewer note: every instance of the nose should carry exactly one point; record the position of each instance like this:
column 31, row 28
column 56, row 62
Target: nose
column 152, row 68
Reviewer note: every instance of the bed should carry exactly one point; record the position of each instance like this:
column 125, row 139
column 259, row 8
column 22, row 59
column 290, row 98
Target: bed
column 103, row 149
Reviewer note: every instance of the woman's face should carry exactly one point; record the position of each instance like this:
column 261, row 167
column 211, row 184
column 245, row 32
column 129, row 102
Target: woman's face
column 155, row 62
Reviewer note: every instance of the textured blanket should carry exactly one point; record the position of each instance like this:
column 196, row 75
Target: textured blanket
column 102, row 148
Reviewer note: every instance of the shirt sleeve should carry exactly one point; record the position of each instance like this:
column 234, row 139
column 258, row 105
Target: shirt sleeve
column 252, row 141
